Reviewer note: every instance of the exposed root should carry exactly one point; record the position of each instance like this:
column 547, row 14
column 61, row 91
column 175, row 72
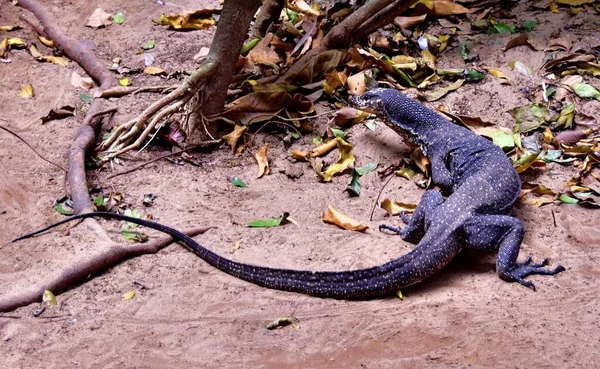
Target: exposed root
column 80, row 271
column 121, row 91
column 138, row 128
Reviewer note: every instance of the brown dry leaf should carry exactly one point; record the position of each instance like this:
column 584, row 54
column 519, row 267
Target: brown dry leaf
column 84, row 83
column 585, row 119
column 539, row 189
column 404, row 62
column 333, row 80
column 59, row 113
column 199, row 19
column 537, row 201
column 233, row 137
column 436, row 95
column 26, row 91
column 236, row 246
column 323, row 149
column 440, row 8
column 99, row 18
column 428, row 58
column 421, row 160
column 155, row 71
column 344, row 161
column 558, row 44
column 317, row 66
column 263, row 162
column 333, row 216
column 301, row 6
column 263, row 105
column 395, row 207
column 35, row 52
column 348, row 116
column 409, row 22
column 357, row 84
column 520, row 40
column 298, row 155
column 572, row 80
column 262, row 54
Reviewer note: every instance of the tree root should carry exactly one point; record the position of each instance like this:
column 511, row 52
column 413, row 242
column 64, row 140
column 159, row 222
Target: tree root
column 81, row 270
column 138, row 129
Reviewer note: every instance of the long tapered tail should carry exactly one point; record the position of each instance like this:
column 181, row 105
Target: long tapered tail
column 359, row 283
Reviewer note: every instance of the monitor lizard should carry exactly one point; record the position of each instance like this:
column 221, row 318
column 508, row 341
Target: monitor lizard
column 482, row 185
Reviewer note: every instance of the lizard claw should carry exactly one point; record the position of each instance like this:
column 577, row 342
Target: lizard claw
column 405, row 218
column 527, row 268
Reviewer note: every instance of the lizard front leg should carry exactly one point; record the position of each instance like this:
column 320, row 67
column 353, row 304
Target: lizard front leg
column 505, row 234
column 418, row 223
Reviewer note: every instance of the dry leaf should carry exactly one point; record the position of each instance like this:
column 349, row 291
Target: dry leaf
column 357, row 84
column 201, row 54
column 155, row 71
column 323, row 148
column 78, row 81
column 301, row 6
column 263, row 162
column 520, row 40
column 233, row 137
column 128, row 295
column 497, row 73
column 395, row 207
column 436, row 95
column 298, row 155
column 333, row 216
column 26, row 91
column 47, row 42
column 199, row 19
column 236, row 246
column 262, row 54
column 345, row 160
column 406, row 22
column 99, row 18
column 348, row 116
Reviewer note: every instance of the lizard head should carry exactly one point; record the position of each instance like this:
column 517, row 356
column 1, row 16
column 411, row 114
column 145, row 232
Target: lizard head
column 395, row 109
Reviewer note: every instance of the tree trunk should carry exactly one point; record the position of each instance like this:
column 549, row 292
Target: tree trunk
column 225, row 51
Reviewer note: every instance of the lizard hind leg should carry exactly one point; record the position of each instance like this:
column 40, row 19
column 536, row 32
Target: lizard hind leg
column 417, row 224
column 505, row 234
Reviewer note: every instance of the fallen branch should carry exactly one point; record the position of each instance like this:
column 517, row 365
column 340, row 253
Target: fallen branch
column 121, row 91
column 81, row 270
column 31, row 147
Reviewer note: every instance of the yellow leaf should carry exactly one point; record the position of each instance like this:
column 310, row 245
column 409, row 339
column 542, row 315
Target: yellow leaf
column 574, row 2
column 406, row 172
column 395, row 207
column 8, row 28
column 153, row 71
column 128, row 295
column 199, row 19
column 15, row 41
column 60, row 60
column 497, row 73
column 34, row 51
column 345, row 160
column 263, row 162
column 399, row 294
column 429, row 59
column 48, row 298
column 233, row 137
column 26, row 91
column 47, row 42
column 333, row 216
column 124, row 81
column 236, row 246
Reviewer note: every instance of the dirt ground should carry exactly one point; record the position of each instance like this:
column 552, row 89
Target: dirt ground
column 191, row 315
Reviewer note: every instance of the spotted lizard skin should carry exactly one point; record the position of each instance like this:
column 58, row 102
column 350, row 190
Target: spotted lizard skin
column 483, row 187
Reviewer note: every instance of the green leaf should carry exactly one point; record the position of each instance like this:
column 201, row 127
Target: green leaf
column 353, row 187
column 134, row 214
column 549, row 92
column 366, row 169
column 317, row 140
column 85, row 98
column 118, row 18
column 528, row 26
column 269, row 222
column 338, row 133
column 64, row 207
column 503, row 139
column 501, row 27
column 249, row 45
column 464, row 52
column 474, row 75
column 292, row 16
column 135, row 236
column 99, row 200
column 148, row 45
column 238, row 182
column 586, row 91
column 282, row 322
column 566, row 199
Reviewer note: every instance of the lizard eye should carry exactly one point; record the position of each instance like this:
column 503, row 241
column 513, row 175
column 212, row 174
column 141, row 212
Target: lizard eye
column 379, row 102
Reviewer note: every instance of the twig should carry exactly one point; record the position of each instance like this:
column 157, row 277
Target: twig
column 202, row 144
column 103, row 112
column 80, row 270
column 120, row 91
column 379, row 196
column 31, row 147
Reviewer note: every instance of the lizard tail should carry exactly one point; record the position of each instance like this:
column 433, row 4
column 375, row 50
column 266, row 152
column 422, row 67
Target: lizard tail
column 355, row 284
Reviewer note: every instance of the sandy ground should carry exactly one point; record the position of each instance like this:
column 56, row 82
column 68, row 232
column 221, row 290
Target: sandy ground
column 193, row 316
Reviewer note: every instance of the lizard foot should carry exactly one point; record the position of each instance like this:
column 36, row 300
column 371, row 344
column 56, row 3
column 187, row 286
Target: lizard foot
column 405, row 218
column 527, row 268
column 396, row 230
